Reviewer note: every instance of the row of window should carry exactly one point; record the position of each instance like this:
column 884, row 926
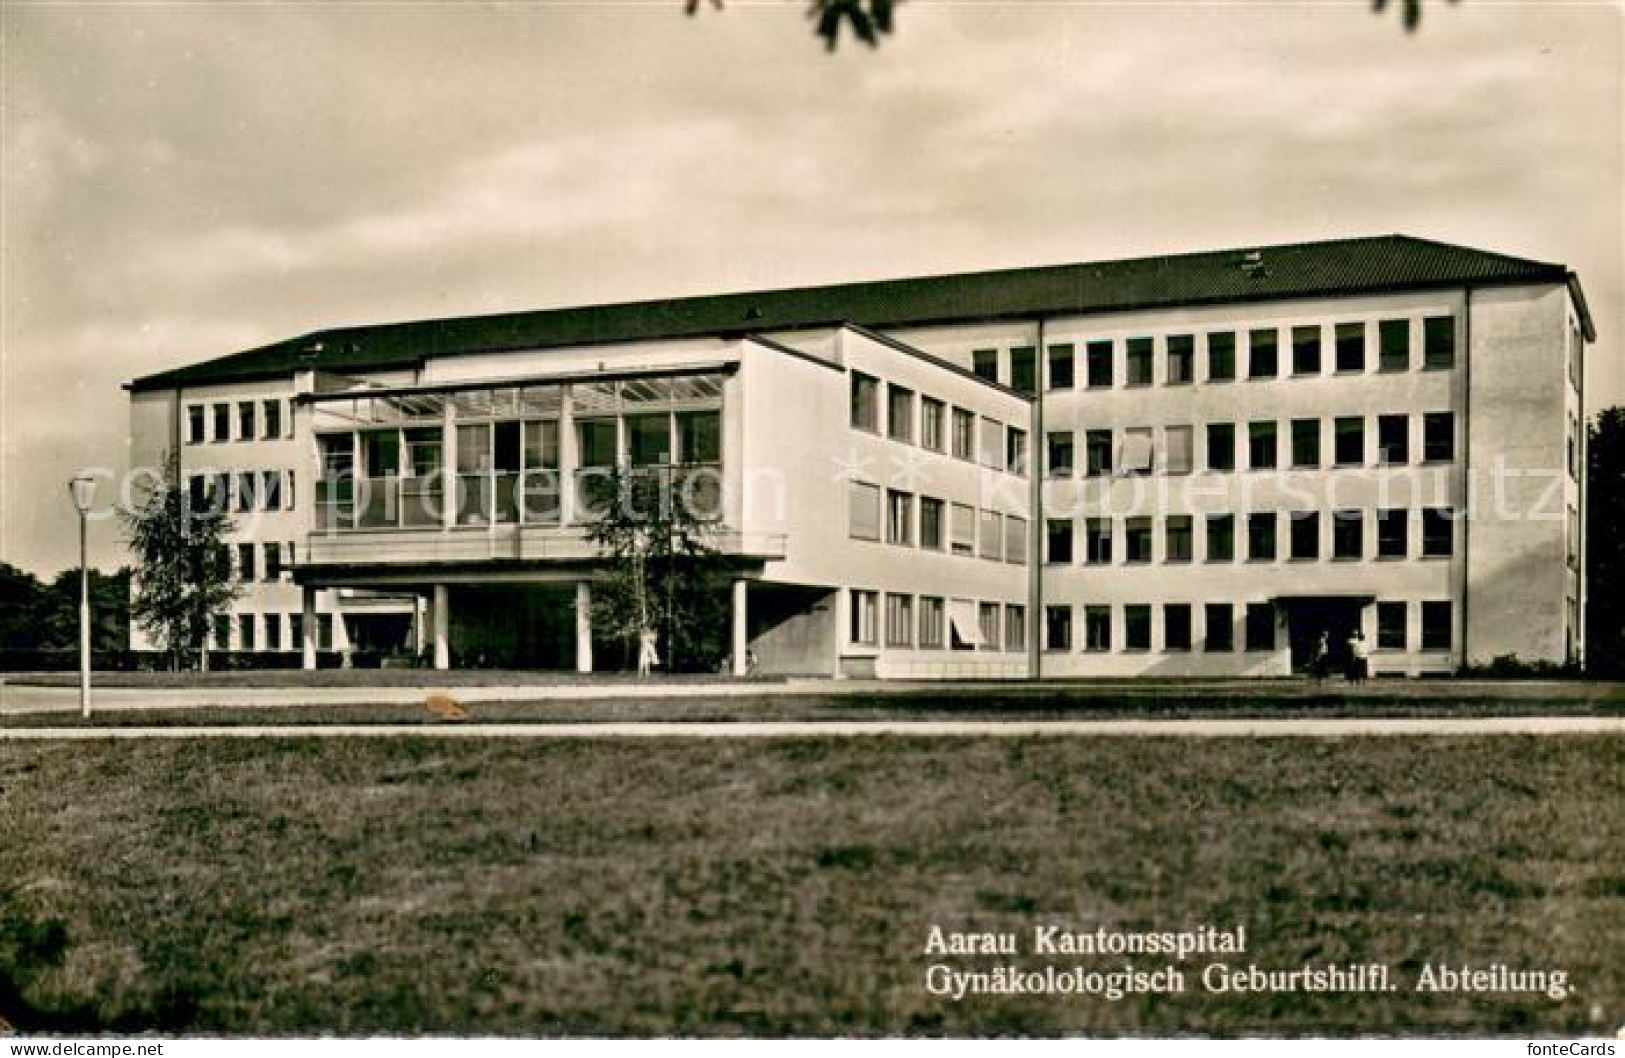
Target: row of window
column 932, row 622
column 912, row 418
column 243, row 420
column 1306, row 346
column 264, row 631
column 1218, row 636
column 242, row 491
column 932, row 524
column 275, row 558
column 1305, row 537
column 1136, row 449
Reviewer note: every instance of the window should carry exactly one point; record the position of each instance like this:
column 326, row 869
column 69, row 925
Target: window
column 1138, row 352
column 931, row 527
column 865, row 402
column 273, row 631
column 1262, row 353
column 985, row 363
column 1219, row 629
column 963, row 529
column 1221, row 446
column 1181, row 358
column 1260, row 626
column 1097, row 453
column 1062, row 366
column 1574, row 449
column 1394, row 439
column 1351, row 347
column 1097, row 628
column 1439, row 436
column 1221, row 356
column 1058, row 541
column 1394, row 345
column 1348, row 440
column 1438, row 532
column 270, row 493
column 1138, row 456
column 648, row 440
column 1177, row 533
column 324, row 631
column 899, row 413
column 222, row 422
column 1015, row 540
column 863, row 511
column 1057, row 628
column 245, row 632
column 990, row 535
column 1097, row 536
column 247, row 491
column 1348, row 534
column 1221, row 537
column 1306, row 350
column 222, row 631
column 987, row 625
column 595, row 444
column 1136, row 627
column 246, row 430
column 864, row 606
column 931, row 615
column 932, row 412
column 1393, row 532
column 899, row 620
column 1305, row 536
column 271, row 563
column 1261, row 445
column 1178, row 445
column 1306, row 442
column 899, row 517
column 1261, row 536
column 197, row 493
column 272, row 419
column 1436, row 626
column 1099, row 356
column 1015, row 451
column 1015, row 627
column 1024, row 369
column 1391, row 630
column 195, row 424
column 1138, row 533
column 1439, row 342
column 1176, row 626
column 992, row 444
column 1059, row 454
column 964, row 435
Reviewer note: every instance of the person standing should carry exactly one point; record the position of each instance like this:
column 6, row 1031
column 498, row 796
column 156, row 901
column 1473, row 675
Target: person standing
column 648, row 656
column 1320, row 660
column 1359, row 658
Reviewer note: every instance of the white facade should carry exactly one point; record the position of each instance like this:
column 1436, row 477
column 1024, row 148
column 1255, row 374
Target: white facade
column 1408, row 463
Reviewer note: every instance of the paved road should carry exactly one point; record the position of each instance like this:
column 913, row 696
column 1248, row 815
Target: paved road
column 1292, row 728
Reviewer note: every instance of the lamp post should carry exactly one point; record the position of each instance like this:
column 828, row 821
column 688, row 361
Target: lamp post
column 83, row 490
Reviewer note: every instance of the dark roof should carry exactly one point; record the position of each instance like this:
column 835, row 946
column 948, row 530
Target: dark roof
column 1337, row 267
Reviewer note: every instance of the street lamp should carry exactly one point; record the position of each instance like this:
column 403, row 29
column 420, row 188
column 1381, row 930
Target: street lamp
column 83, row 490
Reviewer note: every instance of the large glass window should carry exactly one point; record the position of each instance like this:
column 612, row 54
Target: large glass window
column 648, row 440
column 1392, row 633
column 1306, row 350
column 1219, row 628
column 1393, row 532
column 1348, row 534
column 542, row 463
column 1439, row 436
column 1436, row 622
column 1394, row 345
column 1099, row 355
column 1221, row 446
column 1176, row 626
column 1261, row 536
column 1261, row 454
column 1262, row 353
column 1058, row 541
column 985, row 364
column 1351, row 347
column 1136, row 627
column 1305, row 534
column 1306, row 442
column 1062, row 366
column 1438, row 532
column 1221, row 537
column 1221, row 356
column 380, row 464
column 1349, row 440
column 474, row 499
column 1394, row 439
column 1439, row 342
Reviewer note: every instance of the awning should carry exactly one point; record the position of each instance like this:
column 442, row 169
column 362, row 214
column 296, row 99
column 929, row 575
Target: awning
column 962, row 618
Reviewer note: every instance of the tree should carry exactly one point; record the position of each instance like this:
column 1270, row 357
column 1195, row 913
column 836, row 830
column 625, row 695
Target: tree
column 183, row 565
column 869, row 20
column 655, row 527
column 1605, row 544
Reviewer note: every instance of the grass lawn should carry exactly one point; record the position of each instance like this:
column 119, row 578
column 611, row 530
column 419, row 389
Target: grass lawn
column 788, row 886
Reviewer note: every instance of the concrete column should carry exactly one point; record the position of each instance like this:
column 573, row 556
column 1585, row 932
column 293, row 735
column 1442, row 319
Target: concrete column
column 420, row 628
column 741, row 627
column 307, row 628
column 583, row 626
column 442, row 618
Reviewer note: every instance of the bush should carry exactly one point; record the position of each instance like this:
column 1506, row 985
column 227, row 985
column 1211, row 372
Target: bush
column 1512, row 667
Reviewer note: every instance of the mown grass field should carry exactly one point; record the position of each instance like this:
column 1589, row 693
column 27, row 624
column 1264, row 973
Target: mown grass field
column 787, row 887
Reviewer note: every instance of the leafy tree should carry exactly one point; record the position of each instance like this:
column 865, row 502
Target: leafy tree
column 56, row 612
column 183, row 566
column 664, row 575
column 20, row 594
column 1605, row 544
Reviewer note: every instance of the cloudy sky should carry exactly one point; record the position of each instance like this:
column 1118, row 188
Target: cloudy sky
column 184, row 180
